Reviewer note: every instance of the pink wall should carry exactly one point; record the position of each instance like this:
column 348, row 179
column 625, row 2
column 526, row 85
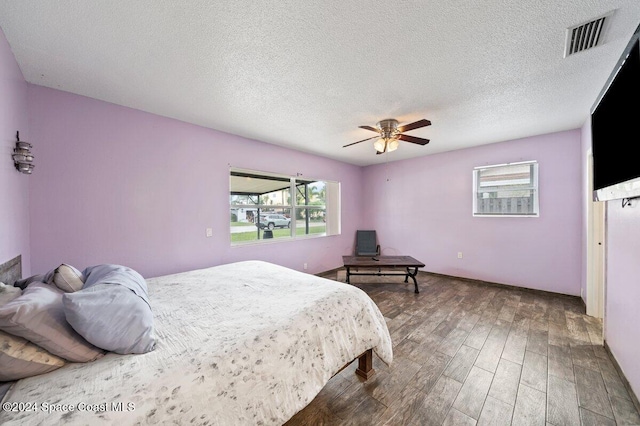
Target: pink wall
column 14, row 186
column 623, row 288
column 117, row 185
column 585, row 149
column 422, row 207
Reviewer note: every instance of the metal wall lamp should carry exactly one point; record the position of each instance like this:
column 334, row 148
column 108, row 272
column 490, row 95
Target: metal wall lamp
column 22, row 156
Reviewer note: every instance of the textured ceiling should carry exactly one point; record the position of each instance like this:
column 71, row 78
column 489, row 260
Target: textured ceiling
column 305, row 75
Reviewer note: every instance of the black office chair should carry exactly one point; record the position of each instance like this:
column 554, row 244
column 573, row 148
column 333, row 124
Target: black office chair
column 367, row 243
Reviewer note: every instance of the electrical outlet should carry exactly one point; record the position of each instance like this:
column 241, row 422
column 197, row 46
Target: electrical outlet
column 459, row 255
column 209, row 232
column 304, row 266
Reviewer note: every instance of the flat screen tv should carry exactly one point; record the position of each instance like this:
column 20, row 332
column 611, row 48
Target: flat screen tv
column 615, row 125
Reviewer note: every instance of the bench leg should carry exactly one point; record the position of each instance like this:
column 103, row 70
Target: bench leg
column 413, row 277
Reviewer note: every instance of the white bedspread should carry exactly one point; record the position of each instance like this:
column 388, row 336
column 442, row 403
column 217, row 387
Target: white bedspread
column 245, row 343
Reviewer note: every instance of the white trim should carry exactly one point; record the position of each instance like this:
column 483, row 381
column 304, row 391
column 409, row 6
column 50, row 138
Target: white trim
column 596, row 248
column 534, row 187
column 506, row 215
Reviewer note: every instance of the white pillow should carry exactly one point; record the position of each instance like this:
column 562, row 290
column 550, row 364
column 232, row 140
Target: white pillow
column 68, row 279
column 20, row 358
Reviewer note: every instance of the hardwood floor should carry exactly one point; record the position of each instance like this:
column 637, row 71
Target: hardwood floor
column 472, row 353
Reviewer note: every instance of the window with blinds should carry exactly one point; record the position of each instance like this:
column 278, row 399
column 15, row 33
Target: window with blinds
column 506, row 190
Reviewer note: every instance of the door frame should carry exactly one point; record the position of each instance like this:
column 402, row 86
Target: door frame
column 596, row 249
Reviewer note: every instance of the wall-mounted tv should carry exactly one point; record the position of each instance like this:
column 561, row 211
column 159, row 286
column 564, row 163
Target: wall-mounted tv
column 615, row 124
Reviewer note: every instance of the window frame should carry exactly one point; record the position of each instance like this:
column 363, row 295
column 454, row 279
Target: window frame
column 533, row 186
column 292, row 205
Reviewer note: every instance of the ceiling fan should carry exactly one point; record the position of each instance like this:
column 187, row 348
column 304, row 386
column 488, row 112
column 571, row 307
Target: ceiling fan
column 389, row 133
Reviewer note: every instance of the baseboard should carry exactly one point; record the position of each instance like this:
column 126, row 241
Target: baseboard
column 626, row 383
column 335, row 271
column 513, row 287
column 584, row 305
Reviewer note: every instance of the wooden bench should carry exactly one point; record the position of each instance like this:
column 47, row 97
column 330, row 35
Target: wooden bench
column 405, row 266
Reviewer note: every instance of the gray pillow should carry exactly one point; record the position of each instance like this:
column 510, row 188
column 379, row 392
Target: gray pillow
column 38, row 316
column 20, row 358
column 112, row 310
column 111, row 317
column 116, row 274
column 39, row 278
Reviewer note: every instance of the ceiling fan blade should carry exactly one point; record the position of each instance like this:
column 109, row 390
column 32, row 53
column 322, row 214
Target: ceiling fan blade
column 413, row 139
column 416, row 125
column 353, row 143
column 373, row 129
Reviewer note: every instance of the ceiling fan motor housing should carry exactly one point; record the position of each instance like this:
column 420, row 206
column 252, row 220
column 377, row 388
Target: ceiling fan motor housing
column 388, row 128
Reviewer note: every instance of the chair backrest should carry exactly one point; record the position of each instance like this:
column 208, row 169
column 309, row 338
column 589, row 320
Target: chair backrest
column 366, row 243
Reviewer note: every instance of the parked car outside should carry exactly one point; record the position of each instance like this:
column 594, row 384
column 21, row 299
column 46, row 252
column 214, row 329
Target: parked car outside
column 271, row 221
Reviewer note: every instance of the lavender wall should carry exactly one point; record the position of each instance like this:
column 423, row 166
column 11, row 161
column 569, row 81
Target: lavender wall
column 422, row 207
column 117, row 185
column 585, row 149
column 623, row 288
column 14, row 186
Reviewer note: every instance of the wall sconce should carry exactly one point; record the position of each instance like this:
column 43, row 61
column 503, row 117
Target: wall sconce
column 22, row 156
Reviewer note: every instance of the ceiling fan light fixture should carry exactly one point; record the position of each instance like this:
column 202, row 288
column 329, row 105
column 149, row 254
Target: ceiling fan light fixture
column 390, row 134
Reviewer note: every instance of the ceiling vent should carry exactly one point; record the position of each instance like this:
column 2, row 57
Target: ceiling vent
column 585, row 36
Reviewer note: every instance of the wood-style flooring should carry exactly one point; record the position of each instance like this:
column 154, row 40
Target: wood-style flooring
column 472, row 353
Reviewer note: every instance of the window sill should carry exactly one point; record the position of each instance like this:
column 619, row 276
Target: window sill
column 505, row 215
column 278, row 240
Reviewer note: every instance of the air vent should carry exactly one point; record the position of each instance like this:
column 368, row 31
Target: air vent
column 587, row 35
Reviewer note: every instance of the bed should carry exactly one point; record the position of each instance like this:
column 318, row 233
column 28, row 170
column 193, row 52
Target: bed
column 244, row 343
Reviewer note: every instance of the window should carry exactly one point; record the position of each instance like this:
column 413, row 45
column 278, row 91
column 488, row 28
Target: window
column 506, row 190
column 267, row 206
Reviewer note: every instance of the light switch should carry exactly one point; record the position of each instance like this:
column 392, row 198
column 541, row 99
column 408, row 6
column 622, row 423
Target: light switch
column 209, row 232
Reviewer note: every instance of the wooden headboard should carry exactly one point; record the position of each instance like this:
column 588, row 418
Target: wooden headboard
column 11, row 271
